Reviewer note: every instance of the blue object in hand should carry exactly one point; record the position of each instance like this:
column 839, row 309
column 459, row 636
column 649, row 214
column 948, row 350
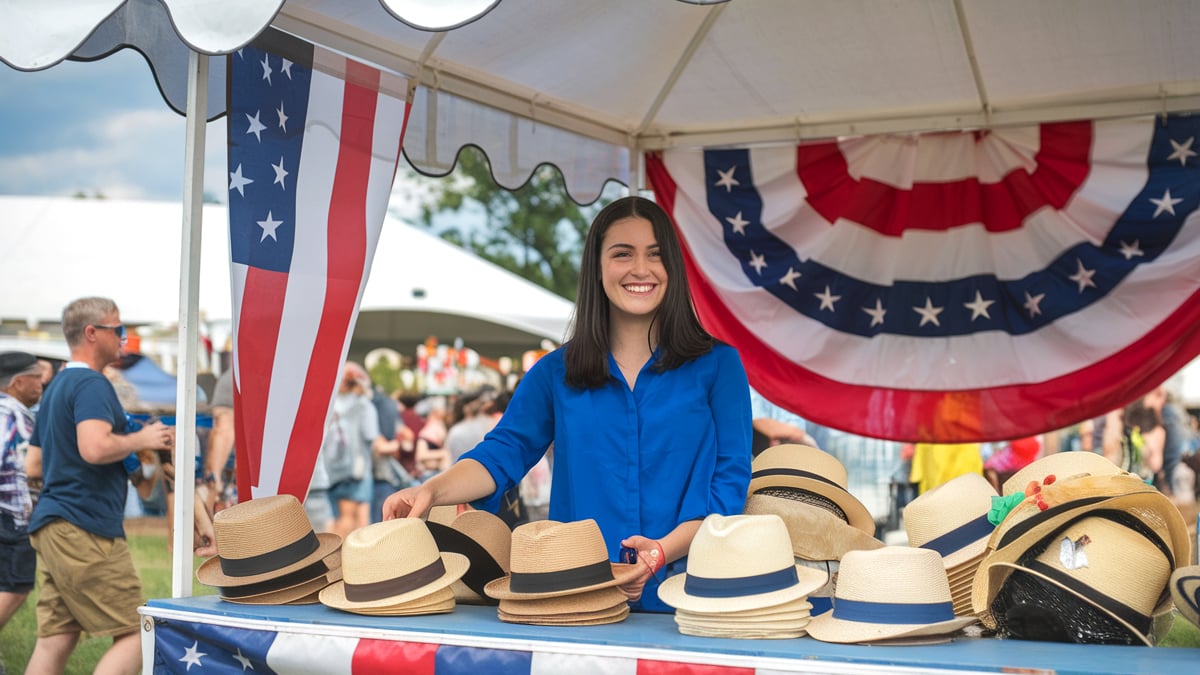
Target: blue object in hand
column 132, row 463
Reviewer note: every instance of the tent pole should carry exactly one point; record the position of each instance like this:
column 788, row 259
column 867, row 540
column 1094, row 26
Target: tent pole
column 189, row 300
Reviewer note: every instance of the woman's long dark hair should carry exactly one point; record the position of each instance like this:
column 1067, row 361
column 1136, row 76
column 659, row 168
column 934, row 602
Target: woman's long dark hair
column 681, row 338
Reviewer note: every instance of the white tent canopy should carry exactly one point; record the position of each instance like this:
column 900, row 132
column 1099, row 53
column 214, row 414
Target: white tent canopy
column 128, row 250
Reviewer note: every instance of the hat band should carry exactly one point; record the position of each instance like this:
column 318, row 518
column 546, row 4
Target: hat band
column 961, row 536
column 1029, row 523
column 1129, row 615
column 561, row 580
column 313, row 571
column 762, row 473
column 862, row 611
column 733, row 587
column 271, row 560
column 377, row 590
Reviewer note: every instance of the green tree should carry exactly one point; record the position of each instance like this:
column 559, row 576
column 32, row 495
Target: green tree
column 536, row 231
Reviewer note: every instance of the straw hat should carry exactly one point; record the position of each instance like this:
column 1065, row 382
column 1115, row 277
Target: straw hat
column 611, row 615
column 816, row 534
column 285, row 590
column 1185, row 592
column 952, row 519
column 587, row 601
column 738, row 563
column 812, row 470
column 551, row 559
column 892, row 592
column 1101, row 561
column 1068, row 499
column 263, row 539
column 1060, row 465
column 389, row 564
column 487, row 543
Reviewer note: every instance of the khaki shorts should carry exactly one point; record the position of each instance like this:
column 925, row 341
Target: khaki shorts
column 88, row 583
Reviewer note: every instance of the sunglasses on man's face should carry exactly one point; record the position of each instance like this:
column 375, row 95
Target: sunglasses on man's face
column 119, row 329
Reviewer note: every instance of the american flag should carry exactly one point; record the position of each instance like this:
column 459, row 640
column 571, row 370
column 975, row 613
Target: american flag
column 314, row 140
column 960, row 286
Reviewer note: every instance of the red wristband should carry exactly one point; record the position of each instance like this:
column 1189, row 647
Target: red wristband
column 660, row 560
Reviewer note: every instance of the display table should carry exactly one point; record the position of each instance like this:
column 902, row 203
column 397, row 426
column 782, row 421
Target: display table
column 205, row 634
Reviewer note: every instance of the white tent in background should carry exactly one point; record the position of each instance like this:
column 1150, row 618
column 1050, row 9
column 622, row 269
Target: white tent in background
column 420, row 285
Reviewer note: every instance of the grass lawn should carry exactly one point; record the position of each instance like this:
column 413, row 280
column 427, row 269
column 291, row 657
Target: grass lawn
column 153, row 563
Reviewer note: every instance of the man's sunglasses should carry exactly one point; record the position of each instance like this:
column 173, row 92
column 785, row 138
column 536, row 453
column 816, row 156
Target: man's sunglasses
column 119, row 329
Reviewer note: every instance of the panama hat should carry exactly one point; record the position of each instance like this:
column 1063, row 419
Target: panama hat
column 1060, row 465
column 389, row 564
column 263, row 539
column 738, row 563
column 438, row 602
column 893, row 592
column 952, row 519
column 587, row 601
column 551, row 559
column 812, row 470
column 285, row 591
column 1111, row 561
column 816, row 533
column 486, row 541
column 1185, row 592
column 611, row 615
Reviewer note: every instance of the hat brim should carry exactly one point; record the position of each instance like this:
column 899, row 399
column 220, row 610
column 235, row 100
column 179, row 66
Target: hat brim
column 588, row 601
column 673, row 592
column 210, row 573
column 501, row 589
column 1185, row 592
column 857, row 514
column 743, row 634
column 828, row 628
column 290, row 594
column 972, row 552
column 455, row 563
column 816, row 534
column 789, row 607
column 616, row 617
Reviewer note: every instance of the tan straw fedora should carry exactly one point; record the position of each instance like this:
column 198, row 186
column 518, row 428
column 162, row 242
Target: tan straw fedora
column 892, row 592
column 814, row 471
column 271, row 593
column 487, row 543
column 816, row 534
column 1185, row 592
column 266, row 539
column 389, row 564
column 1060, row 465
column 952, row 519
column 738, row 563
column 551, row 559
column 587, row 601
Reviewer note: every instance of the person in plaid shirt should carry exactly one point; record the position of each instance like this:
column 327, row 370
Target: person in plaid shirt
column 20, row 389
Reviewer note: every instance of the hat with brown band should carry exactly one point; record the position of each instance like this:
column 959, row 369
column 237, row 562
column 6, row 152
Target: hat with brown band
column 390, row 564
column 486, row 541
column 551, row 559
column 263, row 540
column 814, row 471
column 285, row 590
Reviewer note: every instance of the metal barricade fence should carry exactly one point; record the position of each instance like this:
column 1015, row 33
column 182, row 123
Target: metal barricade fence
column 870, row 467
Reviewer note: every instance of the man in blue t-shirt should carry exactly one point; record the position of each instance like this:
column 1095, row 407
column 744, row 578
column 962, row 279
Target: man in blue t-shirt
column 88, row 579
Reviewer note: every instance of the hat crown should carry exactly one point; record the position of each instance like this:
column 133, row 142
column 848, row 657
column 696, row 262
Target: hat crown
column 489, row 531
column 892, row 574
column 947, row 507
column 727, row 547
column 1060, row 465
column 387, row 550
column 259, row 526
column 549, row 545
column 807, row 458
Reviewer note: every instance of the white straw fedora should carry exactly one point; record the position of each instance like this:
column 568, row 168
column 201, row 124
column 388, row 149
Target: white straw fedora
column 952, row 519
column 1060, row 465
column 389, row 564
column 888, row 593
column 738, row 563
column 266, row 539
column 551, row 559
column 814, row 471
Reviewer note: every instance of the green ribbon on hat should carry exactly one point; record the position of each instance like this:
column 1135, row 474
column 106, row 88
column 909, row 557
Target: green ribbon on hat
column 1002, row 506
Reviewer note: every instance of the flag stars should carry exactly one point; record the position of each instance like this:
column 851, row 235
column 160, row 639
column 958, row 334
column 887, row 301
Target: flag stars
column 268, row 227
column 1033, row 303
column 244, row 660
column 280, row 174
column 256, row 127
column 192, row 656
column 1166, row 204
column 979, row 307
column 286, row 68
column 758, row 262
column 238, row 182
column 876, row 313
column 1182, row 151
column 282, row 117
column 266, row 64
column 827, row 299
column 1131, row 251
column 739, row 224
column 790, row 278
column 1083, row 276
column 726, row 179
column 929, row 313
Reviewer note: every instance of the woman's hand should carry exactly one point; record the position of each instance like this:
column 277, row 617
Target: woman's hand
column 650, row 558
column 411, row 502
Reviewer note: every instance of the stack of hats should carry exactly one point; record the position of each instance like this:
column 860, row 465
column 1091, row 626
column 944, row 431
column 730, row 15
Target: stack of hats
column 394, row 568
column 806, row 487
column 484, row 539
column 268, row 554
column 1084, row 559
column 893, row 595
column 560, row 575
column 742, row 581
column 952, row 520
